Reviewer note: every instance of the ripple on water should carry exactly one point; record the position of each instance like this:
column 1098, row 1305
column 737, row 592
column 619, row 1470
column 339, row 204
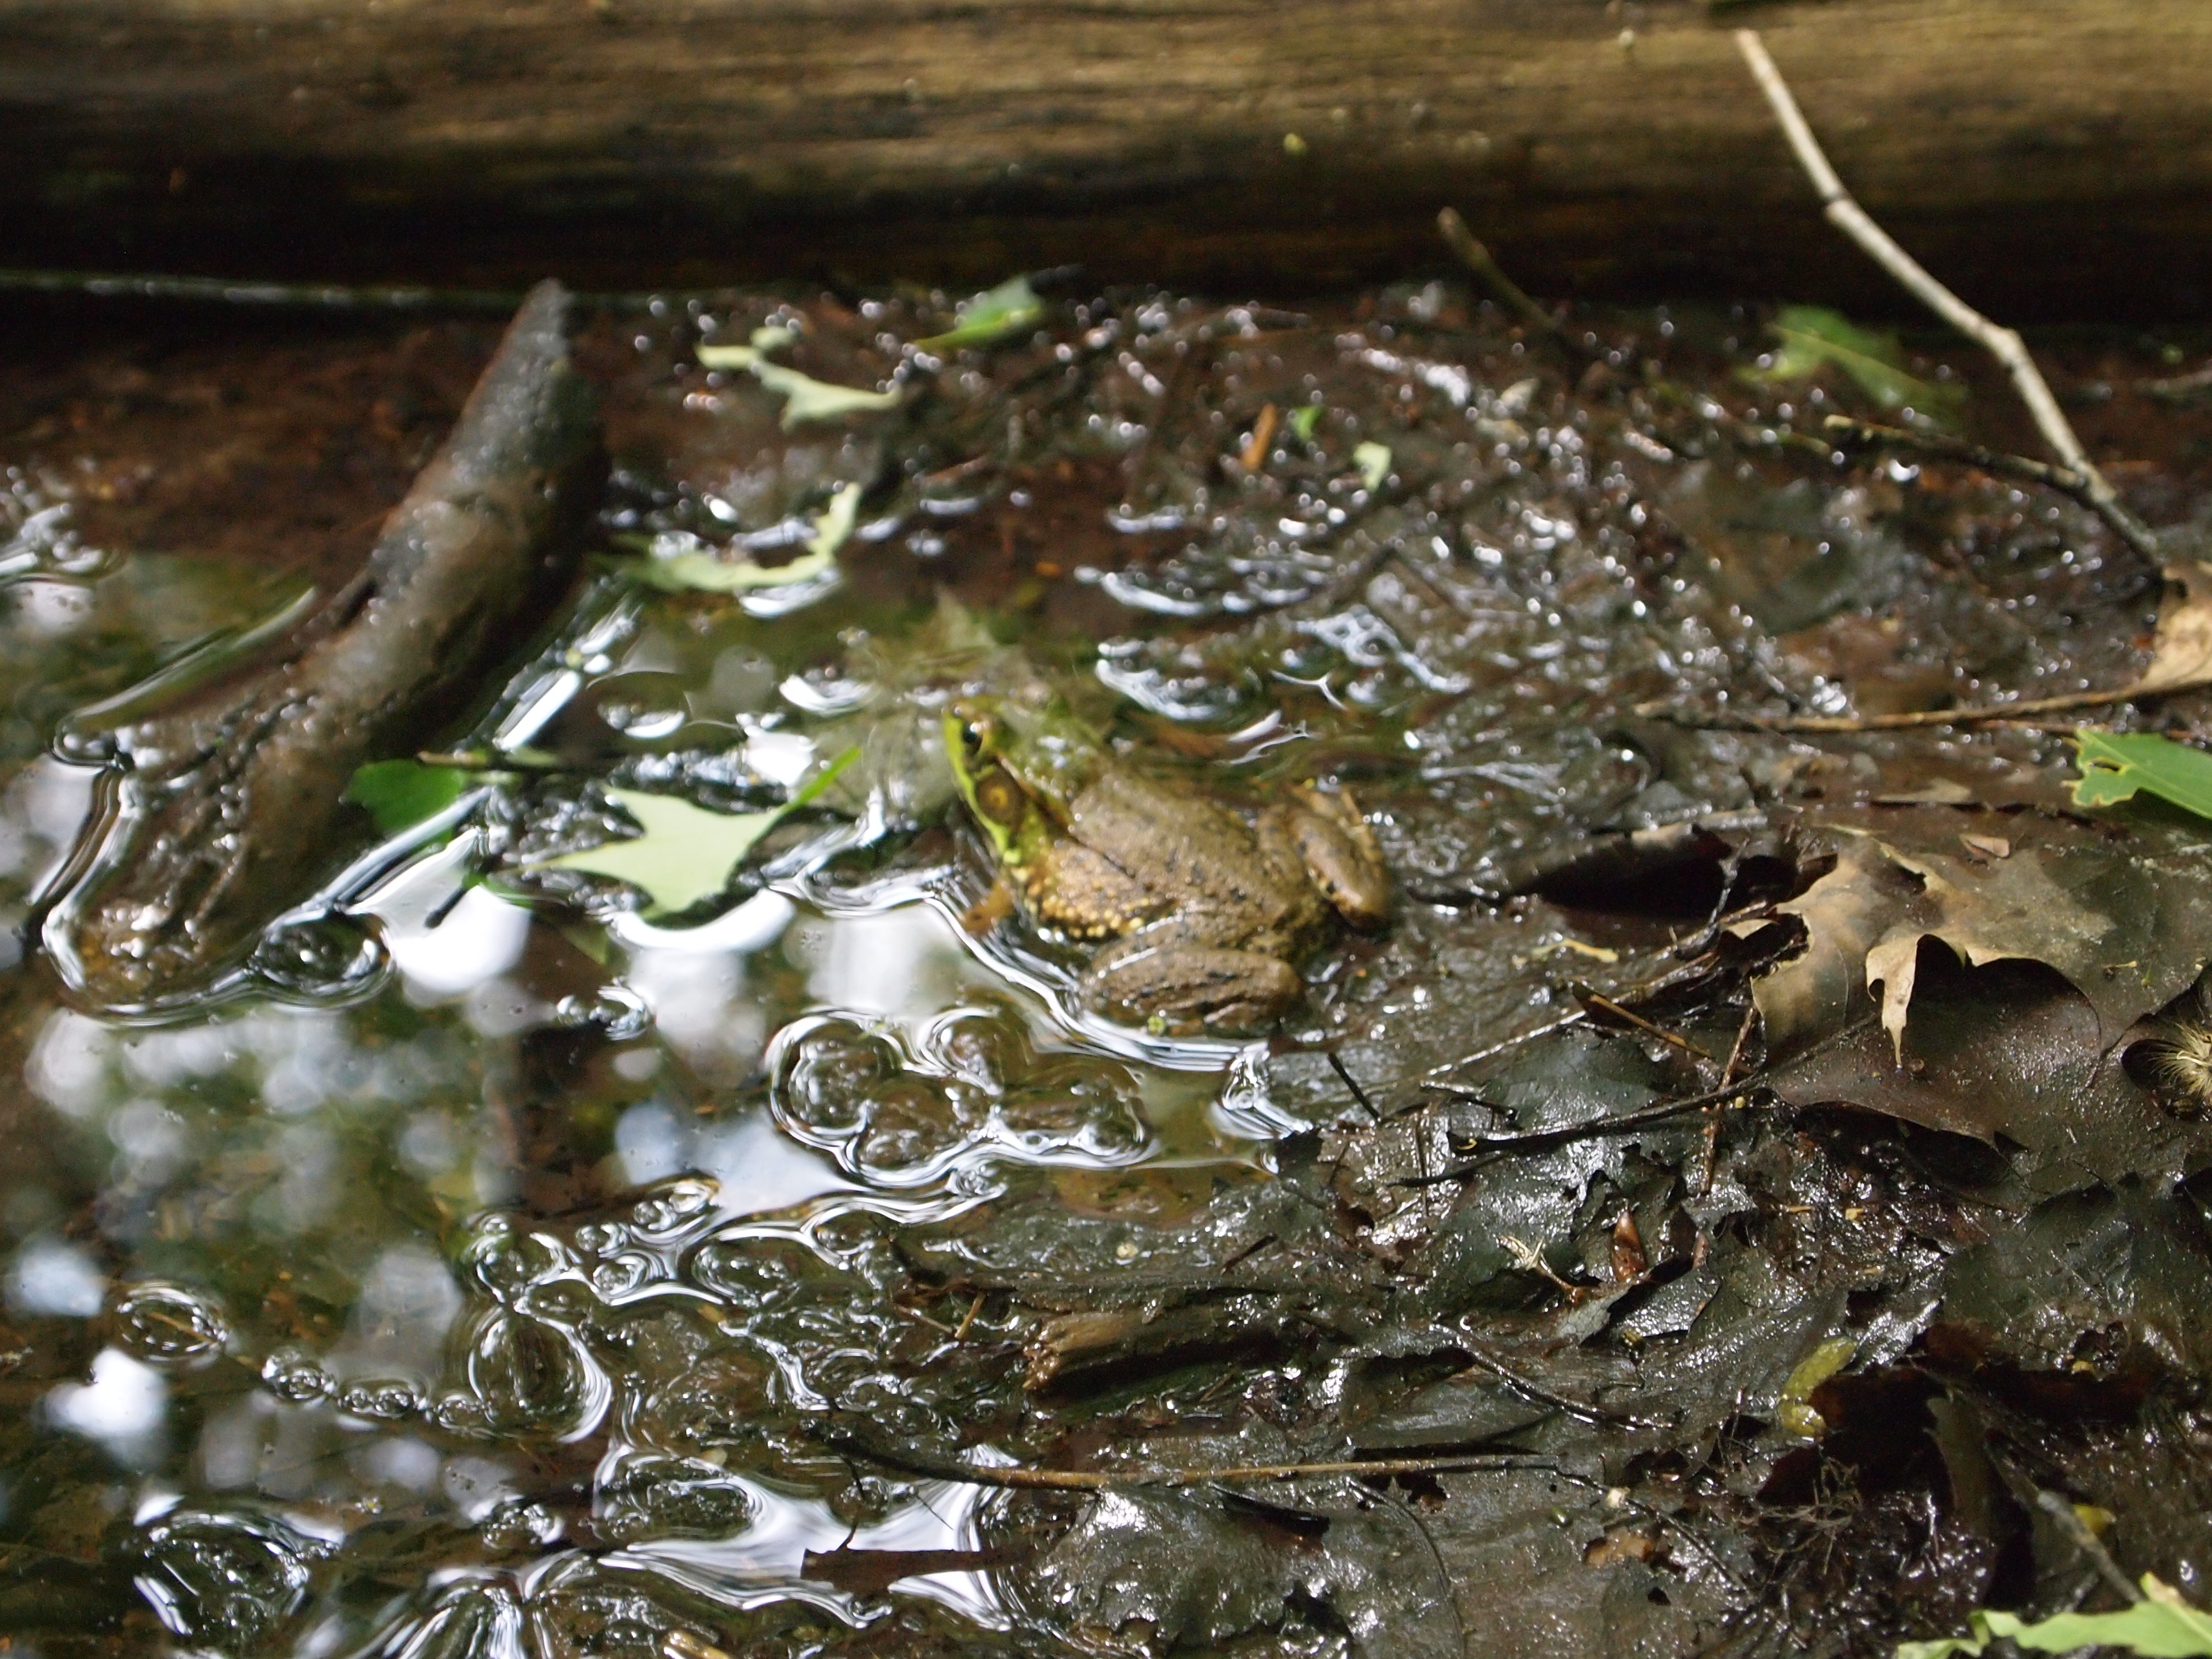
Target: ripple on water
column 902, row 1112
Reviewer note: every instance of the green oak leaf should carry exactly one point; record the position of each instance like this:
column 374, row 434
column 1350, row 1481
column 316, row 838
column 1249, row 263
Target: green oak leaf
column 704, row 573
column 1812, row 338
column 806, row 399
column 2115, row 764
column 2160, row 1627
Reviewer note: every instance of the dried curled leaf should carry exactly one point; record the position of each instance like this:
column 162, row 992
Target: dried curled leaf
column 2181, row 653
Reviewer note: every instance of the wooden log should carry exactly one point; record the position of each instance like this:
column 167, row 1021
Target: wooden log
column 2044, row 156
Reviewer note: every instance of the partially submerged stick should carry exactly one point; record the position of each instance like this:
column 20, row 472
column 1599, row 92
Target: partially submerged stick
column 1480, row 260
column 2003, row 344
column 229, row 811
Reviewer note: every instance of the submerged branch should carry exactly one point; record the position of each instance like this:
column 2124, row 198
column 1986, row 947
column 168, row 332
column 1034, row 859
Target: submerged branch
column 229, row 809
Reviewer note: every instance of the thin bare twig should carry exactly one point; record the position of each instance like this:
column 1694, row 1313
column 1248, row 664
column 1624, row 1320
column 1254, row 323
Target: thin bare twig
column 1502, row 288
column 1019, row 1479
column 2003, row 344
column 1972, row 714
column 2060, row 1510
column 1843, row 429
column 1605, row 1005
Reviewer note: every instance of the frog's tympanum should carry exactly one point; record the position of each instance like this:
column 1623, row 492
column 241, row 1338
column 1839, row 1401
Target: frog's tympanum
column 1206, row 915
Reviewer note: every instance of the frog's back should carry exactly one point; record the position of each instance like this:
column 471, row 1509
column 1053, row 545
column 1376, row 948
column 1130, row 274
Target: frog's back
column 1195, row 854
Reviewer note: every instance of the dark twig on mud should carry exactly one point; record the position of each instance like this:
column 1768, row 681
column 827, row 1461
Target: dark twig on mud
column 1541, row 1396
column 1591, row 998
column 1907, row 720
column 2003, row 344
column 2057, row 1506
column 1868, row 435
column 1502, row 289
column 1018, row 1479
column 1736, row 1096
column 1344, row 1074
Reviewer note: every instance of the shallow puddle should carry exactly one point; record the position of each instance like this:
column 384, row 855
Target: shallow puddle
column 491, row 1266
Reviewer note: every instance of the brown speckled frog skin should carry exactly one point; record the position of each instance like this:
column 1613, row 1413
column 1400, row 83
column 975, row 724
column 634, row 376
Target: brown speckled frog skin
column 1207, row 915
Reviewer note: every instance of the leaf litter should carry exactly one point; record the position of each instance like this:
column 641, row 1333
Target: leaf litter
column 1675, row 1306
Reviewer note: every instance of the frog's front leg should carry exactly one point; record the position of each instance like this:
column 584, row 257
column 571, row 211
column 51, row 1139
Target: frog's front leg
column 1164, row 977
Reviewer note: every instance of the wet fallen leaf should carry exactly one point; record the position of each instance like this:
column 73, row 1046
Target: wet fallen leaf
column 1373, row 460
column 2160, row 1626
column 706, row 573
column 992, row 315
column 2013, row 909
column 1814, row 338
column 686, row 853
column 2104, row 915
column 2010, row 1055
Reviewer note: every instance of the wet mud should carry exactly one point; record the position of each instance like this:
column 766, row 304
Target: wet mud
column 1575, row 1269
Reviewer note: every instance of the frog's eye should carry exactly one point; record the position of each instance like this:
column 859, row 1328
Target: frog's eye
column 1000, row 799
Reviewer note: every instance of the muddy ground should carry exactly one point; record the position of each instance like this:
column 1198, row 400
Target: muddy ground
column 808, row 1274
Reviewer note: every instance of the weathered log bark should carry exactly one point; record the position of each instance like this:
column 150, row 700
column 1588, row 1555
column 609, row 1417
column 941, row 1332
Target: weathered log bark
column 2046, row 154
column 230, row 808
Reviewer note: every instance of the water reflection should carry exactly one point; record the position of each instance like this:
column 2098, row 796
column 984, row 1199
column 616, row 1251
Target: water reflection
column 122, row 1407
column 320, row 1306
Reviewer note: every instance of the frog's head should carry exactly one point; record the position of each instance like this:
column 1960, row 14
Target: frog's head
column 1019, row 762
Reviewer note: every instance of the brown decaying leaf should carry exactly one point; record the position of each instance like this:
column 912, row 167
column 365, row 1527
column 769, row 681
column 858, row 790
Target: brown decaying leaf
column 2181, row 654
column 2009, row 1055
column 1845, row 913
column 2011, row 909
column 2121, row 920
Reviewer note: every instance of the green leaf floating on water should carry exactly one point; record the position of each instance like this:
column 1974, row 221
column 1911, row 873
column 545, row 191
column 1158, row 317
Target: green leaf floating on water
column 401, row 794
column 687, row 853
column 2115, row 764
column 806, row 399
column 1812, row 338
column 704, row 573
column 1006, row 309
column 1373, row 460
column 1305, row 418
column 2160, row 1627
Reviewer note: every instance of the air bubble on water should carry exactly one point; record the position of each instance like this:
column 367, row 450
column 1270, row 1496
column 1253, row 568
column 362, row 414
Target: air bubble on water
column 171, row 1325
column 618, row 1013
column 297, row 1378
column 223, row 1580
column 386, row 1400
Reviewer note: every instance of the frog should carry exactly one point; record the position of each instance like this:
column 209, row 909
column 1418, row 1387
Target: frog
column 1199, row 917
